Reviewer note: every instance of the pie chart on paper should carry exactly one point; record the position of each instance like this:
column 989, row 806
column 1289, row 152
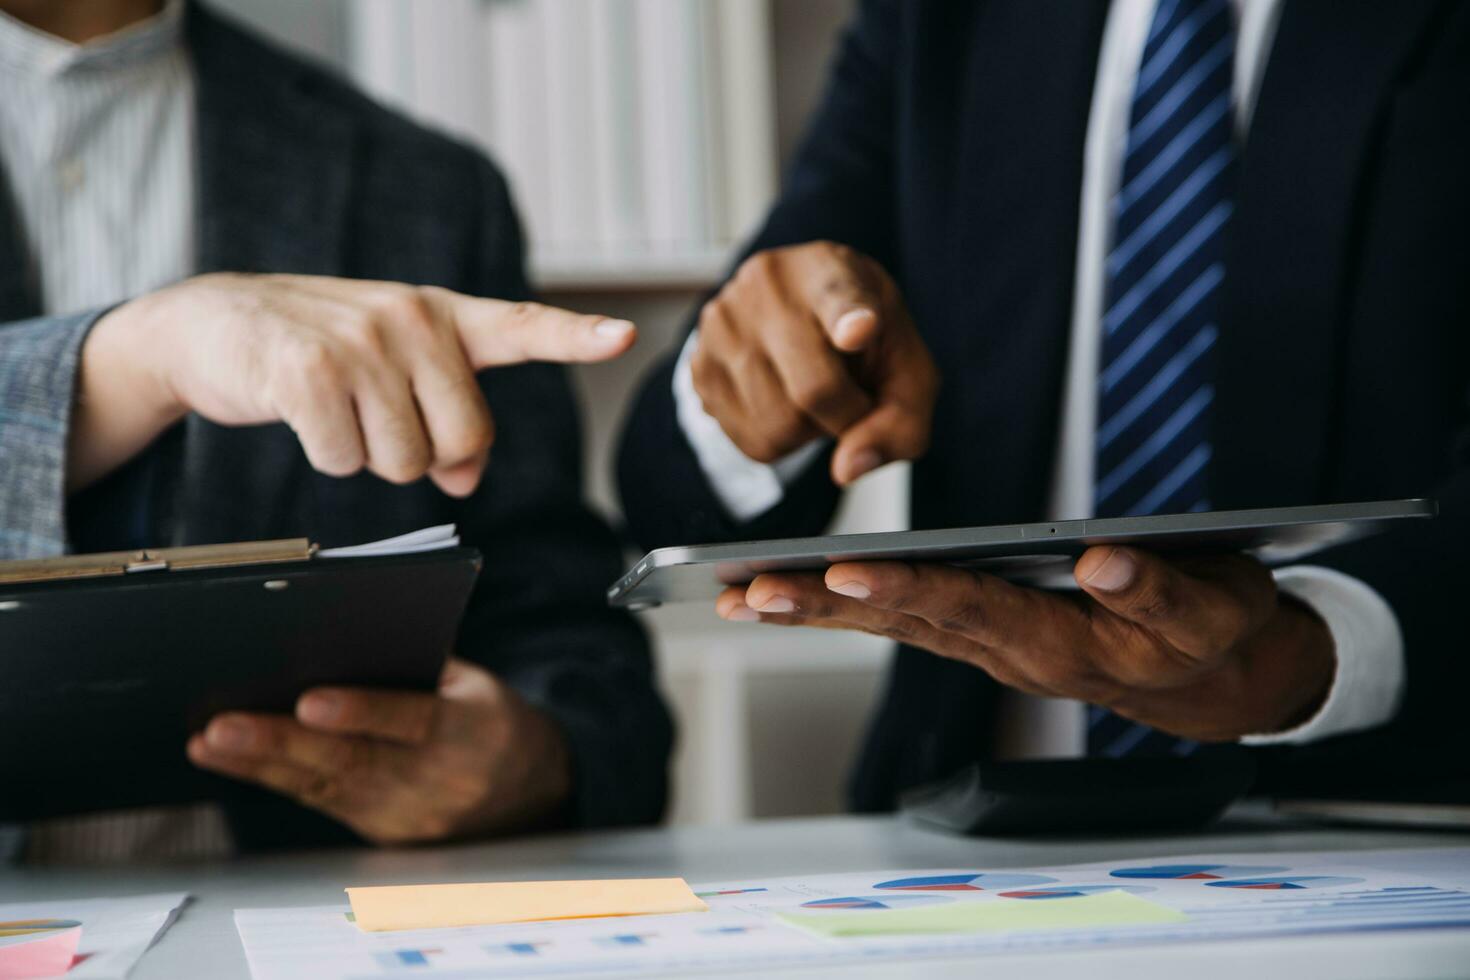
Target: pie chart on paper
column 1286, row 882
column 1075, row 891
column 873, row 902
column 1197, row 872
column 976, row 882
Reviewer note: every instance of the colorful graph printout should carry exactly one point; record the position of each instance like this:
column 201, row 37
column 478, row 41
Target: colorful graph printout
column 516, row 949
column 399, row 959
column 97, row 938
column 727, row 892
column 1073, row 891
column 1196, row 872
column 1287, row 882
column 838, row 920
column 962, row 883
column 871, row 902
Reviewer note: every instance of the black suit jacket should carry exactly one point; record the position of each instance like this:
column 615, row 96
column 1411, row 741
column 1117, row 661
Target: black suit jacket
column 949, row 147
column 299, row 173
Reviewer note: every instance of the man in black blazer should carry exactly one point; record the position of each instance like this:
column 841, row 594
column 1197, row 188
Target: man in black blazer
column 1093, row 258
column 272, row 330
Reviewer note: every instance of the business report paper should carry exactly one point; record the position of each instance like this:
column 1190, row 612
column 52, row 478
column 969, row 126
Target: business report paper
column 115, row 932
column 903, row 915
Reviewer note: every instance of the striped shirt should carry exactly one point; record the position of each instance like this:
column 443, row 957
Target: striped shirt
column 97, row 148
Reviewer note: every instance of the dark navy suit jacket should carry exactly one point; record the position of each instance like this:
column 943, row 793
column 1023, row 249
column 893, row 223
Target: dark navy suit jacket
column 298, row 173
column 949, row 147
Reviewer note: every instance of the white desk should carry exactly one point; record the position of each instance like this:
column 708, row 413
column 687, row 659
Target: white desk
column 203, row 942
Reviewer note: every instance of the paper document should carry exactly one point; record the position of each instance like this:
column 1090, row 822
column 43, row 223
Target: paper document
column 431, row 906
column 1113, row 908
column 38, row 947
column 428, row 539
column 114, row 932
column 952, row 912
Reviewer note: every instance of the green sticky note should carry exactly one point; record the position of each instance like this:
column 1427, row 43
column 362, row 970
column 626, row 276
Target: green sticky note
column 1003, row 915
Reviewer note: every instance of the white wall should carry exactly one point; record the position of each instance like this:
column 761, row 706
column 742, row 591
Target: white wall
column 769, row 719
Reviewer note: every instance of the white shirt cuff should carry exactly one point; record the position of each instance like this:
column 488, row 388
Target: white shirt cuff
column 1369, row 682
column 746, row 488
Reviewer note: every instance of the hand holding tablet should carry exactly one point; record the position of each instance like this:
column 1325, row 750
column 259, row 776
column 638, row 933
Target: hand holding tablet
column 1178, row 624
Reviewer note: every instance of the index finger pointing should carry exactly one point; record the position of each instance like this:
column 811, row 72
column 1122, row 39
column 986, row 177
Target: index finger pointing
column 496, row 332
column 847, row 310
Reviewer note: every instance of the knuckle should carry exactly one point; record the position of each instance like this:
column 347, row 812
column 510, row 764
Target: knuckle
column 958, row 619
column 421, row 725
column 366, row 332
column 756, row 269
column 312, row 360
column 835, row 251
column 1155, row 602
column 702, row 367
column 817, row 391
column 343, row 755
column 900, row 628
column 712, row 318
column 523, row 313
column 466, row 440
column 788, row 430
column 338, row 457
column 408, row 308
column 405, row 462
column 318, row 788
column 758, row 447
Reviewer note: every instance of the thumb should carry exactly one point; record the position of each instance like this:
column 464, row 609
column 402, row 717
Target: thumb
column 1200, row 614
column 891, row 432
column 495, row 332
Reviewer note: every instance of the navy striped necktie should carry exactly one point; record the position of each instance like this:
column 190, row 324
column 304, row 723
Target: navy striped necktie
column 1163, row 275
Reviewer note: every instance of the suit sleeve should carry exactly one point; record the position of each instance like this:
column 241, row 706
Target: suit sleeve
column 839, row 188
column 539, row 617
column 38, row 369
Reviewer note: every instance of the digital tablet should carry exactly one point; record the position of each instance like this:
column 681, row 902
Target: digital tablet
column 1034, row 554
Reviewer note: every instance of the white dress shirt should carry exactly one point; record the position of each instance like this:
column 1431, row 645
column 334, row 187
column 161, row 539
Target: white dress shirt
column 98, row 151
column 1368, row 682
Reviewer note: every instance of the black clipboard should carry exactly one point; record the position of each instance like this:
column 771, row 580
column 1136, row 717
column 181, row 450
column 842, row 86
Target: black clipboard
column 111, row 662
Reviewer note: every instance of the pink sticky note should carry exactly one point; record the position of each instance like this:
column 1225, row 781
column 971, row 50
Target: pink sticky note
column 38, row 948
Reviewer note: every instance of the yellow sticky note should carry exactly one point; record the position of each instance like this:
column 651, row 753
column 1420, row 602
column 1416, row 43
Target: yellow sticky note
column 1105, row 909
column 435, row 906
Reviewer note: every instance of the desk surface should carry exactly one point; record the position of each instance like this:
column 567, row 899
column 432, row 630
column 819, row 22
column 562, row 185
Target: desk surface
column 203, row 942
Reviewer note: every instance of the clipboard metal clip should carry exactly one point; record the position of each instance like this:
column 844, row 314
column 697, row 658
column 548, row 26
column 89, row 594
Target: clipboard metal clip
column 156, row 560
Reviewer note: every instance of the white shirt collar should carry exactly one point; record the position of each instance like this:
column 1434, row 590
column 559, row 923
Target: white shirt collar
column 24, row 50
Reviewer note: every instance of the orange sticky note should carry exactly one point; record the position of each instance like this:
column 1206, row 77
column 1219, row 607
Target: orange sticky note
column 491, row 903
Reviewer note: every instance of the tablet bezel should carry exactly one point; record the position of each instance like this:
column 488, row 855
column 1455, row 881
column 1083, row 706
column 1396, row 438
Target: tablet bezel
column 1275, row 535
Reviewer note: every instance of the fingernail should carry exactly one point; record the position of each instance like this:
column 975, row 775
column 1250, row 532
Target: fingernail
column 777, row 604
column 231, row 736
column 318, row 709
column 848, row 329
column 863, row 462
column 855, row 590
column 614, row 328
column 743, row 614
column 1116, row 572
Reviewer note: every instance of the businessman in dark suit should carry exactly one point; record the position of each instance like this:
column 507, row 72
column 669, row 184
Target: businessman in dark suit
column 206, row 335
column 1101, row 259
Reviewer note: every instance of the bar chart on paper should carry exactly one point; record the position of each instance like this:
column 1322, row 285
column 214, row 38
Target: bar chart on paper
column 873, row 916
